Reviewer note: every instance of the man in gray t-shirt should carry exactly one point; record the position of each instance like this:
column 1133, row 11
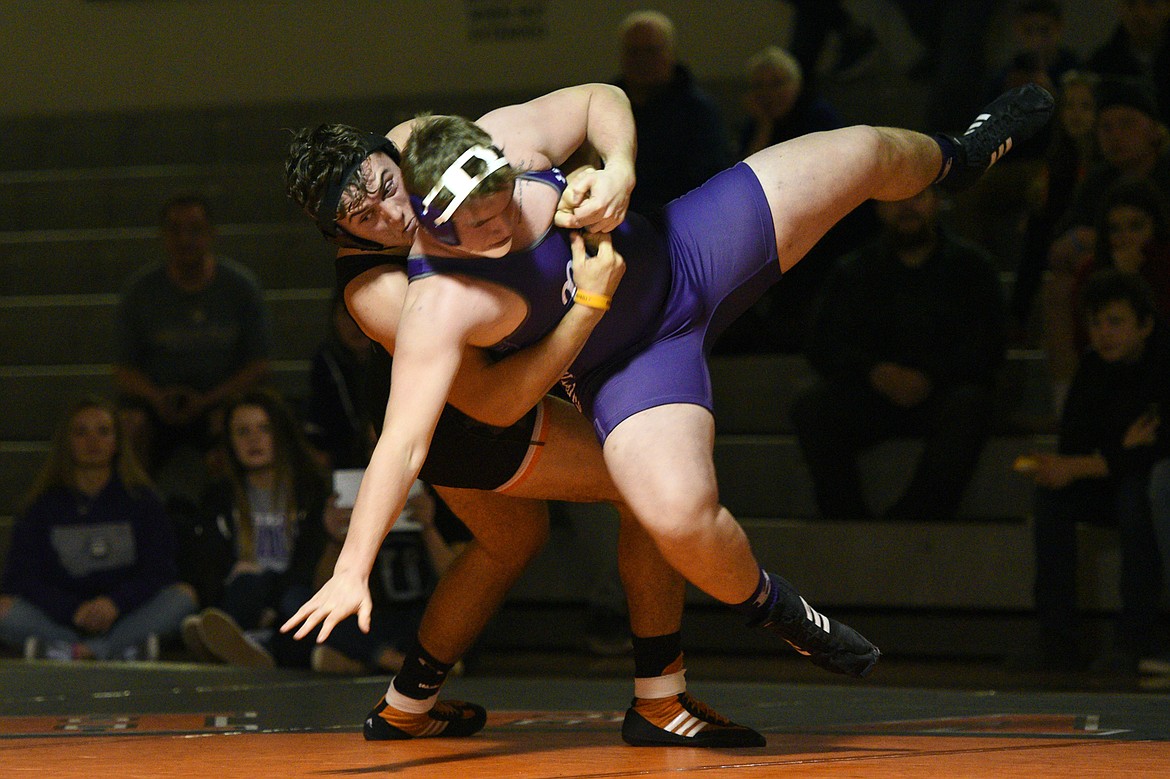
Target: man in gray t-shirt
column 192, row 331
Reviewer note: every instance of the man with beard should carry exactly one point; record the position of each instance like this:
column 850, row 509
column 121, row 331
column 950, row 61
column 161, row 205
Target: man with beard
column 907, row 340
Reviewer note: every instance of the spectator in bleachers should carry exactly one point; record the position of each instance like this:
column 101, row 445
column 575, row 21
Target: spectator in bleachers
column 348, row 381
column 254, row 550
column 780, row 106
column 1132, row 234
column 192, row 331
column 1071, row 153
column 1108, row 443
column 682, row 139
column 91, row 571
column 1139, row 47
column 1134, row 145
column 338, row 410
column 907, row 342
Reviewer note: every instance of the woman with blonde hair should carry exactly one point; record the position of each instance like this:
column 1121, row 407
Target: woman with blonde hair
column 91, row 572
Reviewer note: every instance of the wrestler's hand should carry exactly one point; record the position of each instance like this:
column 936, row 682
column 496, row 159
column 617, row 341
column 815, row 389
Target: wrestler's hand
column 595, row 200
column 599, row 272
column 342, row 595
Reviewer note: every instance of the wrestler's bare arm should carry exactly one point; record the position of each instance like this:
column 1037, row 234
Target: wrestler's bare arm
column 551, row 129
column 438, row 320
column 497, row 392
column 548, row 130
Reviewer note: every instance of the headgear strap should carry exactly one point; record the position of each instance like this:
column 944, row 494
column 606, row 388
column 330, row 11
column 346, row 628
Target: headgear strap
column 459, row 185
column 331, row 198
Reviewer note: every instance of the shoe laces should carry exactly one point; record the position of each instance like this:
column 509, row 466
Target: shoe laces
column 703, row 711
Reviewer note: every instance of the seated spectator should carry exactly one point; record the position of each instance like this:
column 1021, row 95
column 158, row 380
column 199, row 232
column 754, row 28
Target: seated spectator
column 1134, row 144
column 1071, row 153
column 1132, row 234
column 254, row 551
column 337, row 412
column 192, row 331
column 907, row 343
column 425, row 540
column 682, row 139
column 1107, row 446
column 91, row 571
column 780, row 107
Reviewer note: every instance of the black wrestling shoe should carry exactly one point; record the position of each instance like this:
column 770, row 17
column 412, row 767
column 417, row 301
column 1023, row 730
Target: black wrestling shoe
column 683, row 721
column 826, row 642
column 450, row 718
column 1013, row 117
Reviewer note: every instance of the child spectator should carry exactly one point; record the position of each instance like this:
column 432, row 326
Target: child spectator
column 1108, row 444
column 1132, row 234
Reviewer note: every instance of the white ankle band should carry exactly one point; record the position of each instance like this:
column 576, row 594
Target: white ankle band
column 409, row 705
column 660, row 686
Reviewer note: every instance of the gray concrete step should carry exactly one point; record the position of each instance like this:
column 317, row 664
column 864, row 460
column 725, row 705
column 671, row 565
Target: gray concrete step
column 79, row 329
column 98, row 261
column 765, row 476
column 36, row 396
column 131, row 196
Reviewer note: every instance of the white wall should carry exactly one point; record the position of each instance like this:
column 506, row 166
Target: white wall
column 62, row 56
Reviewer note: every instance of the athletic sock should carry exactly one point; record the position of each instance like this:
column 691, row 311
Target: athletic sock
column 759, row 605
column 411, row 707
column 652, row 655
column 421, row 676
column 950, row 155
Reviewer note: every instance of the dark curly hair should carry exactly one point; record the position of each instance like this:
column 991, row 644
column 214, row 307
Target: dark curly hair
column 318, row 156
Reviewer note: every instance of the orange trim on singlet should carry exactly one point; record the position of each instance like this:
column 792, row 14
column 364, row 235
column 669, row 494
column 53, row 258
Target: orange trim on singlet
column 535, row 449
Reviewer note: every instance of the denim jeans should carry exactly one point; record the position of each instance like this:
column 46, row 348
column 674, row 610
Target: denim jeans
column 1160, row 509
column 160, row 615
column 1123, row 503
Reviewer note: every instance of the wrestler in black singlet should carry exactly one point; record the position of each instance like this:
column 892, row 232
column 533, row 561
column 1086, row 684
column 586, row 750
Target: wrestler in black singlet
column 464, row 452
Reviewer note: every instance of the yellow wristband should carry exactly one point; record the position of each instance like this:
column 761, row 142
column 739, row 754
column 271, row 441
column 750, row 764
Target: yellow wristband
column 592, row 300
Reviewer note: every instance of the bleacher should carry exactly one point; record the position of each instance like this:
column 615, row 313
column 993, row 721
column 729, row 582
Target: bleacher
column 79, row 199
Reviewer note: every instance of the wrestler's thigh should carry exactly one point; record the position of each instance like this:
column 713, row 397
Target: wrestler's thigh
column 570, row 467
column 661, row 460
column 811, row 183
column 499, row 521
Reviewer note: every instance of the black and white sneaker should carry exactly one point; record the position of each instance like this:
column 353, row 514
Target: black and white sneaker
column 1013, row 117
column 826, row 642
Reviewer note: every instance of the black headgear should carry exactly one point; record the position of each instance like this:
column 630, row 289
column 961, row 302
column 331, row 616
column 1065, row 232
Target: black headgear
column 331, row 198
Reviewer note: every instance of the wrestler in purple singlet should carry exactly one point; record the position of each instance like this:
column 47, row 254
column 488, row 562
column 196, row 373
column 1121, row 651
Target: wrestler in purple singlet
column 715, row 256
